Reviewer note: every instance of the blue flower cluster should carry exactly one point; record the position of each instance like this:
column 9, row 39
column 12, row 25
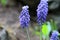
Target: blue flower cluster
column 54, row 35
column 42, row 11
column 24, row 17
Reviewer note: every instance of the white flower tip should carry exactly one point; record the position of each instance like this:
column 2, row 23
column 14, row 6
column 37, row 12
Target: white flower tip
column 44, row 0
column 25, row 7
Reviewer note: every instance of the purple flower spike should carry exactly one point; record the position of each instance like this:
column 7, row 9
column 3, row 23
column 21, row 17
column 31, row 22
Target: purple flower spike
column 24, row 17
column 54, row 35
column 42, row 11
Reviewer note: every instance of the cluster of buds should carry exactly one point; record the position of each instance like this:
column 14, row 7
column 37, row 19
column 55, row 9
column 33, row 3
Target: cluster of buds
column 42, row 11
column 24, row 17
column 54, row 35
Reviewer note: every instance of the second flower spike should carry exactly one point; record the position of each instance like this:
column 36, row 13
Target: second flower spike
column 42, row 11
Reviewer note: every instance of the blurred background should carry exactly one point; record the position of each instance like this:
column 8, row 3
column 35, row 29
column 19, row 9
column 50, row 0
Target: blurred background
column 9, row 22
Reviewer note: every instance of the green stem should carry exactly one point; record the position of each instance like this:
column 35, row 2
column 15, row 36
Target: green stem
column 47, row 37
column 27, row 30
column 40, row 34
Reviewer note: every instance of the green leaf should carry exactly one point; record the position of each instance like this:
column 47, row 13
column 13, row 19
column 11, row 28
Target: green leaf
column 3, row 2
column 46, row 28
column 53, row 25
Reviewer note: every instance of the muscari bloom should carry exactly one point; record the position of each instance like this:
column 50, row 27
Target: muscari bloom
column 24, row 17
column 54, row 35
column 42, row 11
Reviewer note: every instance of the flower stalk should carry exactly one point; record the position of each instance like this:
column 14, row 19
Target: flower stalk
column 27, row 30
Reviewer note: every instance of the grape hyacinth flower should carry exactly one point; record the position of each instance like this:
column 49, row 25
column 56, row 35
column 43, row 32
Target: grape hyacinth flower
column 24, row 17
column 42, row 11
column 54, row 35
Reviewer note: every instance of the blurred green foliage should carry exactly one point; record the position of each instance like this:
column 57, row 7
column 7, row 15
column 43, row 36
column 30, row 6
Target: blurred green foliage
column 3, row 2
column 47, row 27
column 53, row 25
